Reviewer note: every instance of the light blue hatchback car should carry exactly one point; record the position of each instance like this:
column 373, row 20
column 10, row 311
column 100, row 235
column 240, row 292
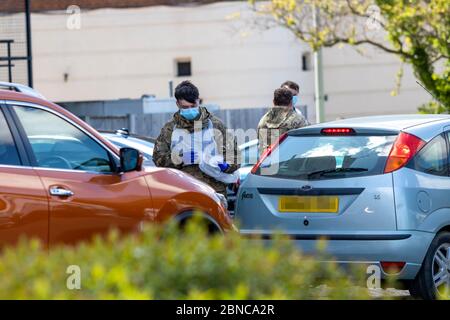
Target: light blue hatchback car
column 378, row 188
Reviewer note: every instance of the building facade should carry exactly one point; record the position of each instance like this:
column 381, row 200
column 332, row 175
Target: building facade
column 115, row 53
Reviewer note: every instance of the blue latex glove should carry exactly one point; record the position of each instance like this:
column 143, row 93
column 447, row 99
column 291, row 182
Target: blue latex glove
column 223, row 166
column 190, row 158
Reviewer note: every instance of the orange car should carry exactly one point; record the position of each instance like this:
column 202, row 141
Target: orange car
column 62, row 182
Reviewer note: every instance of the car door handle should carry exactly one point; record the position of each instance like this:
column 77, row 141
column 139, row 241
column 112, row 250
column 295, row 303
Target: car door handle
column 60, row 192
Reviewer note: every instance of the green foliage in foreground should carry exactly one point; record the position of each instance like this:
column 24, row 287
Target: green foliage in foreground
column 162, row 264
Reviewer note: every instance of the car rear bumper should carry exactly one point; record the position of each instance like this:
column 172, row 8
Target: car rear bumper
column 364, row 248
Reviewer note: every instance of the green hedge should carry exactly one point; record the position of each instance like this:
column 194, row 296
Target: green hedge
column 167, row 264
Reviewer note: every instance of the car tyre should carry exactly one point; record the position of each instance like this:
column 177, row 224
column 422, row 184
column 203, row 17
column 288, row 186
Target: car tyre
column 212, row 226
column 433, row 280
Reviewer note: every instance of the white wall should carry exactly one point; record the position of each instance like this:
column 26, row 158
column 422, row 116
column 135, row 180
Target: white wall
column 124, row 53
column 360, row 85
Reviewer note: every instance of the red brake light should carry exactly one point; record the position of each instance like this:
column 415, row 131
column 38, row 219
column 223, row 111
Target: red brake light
column 392, row 267
column 268, row 151
column 405, row 147
column 338, row 131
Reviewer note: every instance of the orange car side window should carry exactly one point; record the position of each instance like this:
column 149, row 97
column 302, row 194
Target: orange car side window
column 58, row 144
column 8, row 150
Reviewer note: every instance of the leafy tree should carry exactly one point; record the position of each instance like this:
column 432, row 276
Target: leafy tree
column 417, row 31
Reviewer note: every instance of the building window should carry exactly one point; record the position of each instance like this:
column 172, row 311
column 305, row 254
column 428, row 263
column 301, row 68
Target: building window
column 306, row 61
column 183, row 67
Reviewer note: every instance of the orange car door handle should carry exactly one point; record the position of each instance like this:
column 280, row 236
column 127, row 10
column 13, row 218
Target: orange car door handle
column 60, row 192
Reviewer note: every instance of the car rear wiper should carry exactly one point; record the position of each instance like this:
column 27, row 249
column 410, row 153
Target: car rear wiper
column 337, row 170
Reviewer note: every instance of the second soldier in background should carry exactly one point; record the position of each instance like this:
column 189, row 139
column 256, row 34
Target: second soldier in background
column 281, row 118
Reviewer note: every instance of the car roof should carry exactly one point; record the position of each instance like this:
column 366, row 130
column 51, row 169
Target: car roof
column 144, row 146
column 390, row 122
column 18, row 96
column 248, row 144
column 130, row 140
column 114, row 134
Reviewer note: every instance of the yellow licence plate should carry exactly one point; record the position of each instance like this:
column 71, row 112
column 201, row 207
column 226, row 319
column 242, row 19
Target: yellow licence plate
column 308, row 204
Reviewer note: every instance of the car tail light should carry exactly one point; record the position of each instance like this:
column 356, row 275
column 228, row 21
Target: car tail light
column 338, row 131
column 268, row 151
column 391, row 267
column 405, row 147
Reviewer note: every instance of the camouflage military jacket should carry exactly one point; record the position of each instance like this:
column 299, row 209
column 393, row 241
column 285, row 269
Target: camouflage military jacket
column 226, row 145
column 275, row 122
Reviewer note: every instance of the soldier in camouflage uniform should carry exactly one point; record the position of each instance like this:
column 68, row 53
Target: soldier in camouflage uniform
column 294, row 88
column 279, row 119
column 193, row 118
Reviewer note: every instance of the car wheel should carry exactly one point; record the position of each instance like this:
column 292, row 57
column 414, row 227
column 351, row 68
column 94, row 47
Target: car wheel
column 433, row 280
column 209, row 223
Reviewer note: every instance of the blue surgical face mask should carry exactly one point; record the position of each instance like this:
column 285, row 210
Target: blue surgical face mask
column 190, row 114
column 294, row 100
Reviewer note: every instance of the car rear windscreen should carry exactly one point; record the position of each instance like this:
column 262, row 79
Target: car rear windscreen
column 328, row 157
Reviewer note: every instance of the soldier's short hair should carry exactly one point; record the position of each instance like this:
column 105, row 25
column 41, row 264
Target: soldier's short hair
column 282, row 97
column 187, row 91
column 291, row 85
